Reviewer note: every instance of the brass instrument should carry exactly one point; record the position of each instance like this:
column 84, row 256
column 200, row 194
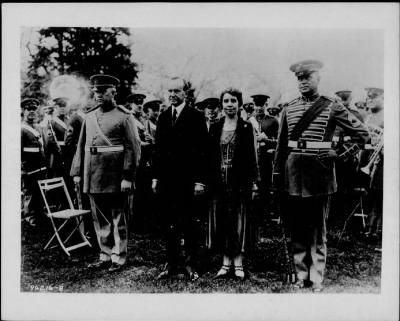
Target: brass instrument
column 377, row 134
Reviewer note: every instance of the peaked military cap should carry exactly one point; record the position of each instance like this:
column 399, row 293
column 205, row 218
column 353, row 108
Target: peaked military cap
column 61, row 101
column 153, row 104
column 211, row 103
column 134, row 96
column 101, row 80
column 27, row 102
column 343, row 94
column 306, row 67
column 375, row 91
column 260, row 99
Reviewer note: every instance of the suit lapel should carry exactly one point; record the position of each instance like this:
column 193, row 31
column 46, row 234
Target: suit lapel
column 184, row 114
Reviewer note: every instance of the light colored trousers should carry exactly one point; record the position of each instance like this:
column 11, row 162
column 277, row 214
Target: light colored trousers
column 111, row 225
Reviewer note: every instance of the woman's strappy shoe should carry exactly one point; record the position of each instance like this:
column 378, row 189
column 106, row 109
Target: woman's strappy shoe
column 239, row 272
column 223, row 272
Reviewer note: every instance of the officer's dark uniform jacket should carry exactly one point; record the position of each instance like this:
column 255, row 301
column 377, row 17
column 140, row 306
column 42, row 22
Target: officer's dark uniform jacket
column 103, row 171
column 33, row 158
column 304, row 174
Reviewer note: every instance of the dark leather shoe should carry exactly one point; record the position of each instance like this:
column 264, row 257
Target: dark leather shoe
column 191, row 272
column 100, row 265
column 193, row 276
column 115, row 267
column 167, row 273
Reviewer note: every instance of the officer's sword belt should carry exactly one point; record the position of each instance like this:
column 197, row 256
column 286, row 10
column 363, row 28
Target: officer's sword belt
column 37, row 170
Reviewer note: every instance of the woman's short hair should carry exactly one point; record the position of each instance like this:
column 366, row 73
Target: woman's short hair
column 233, row 92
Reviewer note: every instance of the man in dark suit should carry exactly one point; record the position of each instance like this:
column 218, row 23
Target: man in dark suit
column 179, row 175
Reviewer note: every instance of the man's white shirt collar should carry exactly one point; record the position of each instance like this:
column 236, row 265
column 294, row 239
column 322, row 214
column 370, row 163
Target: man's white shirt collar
column 178, row 109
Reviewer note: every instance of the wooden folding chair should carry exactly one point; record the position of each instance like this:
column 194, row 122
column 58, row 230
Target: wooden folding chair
column 62, row 214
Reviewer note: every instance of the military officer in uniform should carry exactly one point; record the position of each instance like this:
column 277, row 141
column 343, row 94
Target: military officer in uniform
column 106, row 158
column 33, row 161
column 304, row 169
column 266, row 133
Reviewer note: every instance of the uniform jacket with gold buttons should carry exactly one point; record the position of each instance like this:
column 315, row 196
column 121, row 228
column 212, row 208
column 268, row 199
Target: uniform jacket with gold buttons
column 302, row 172
column 103, row 172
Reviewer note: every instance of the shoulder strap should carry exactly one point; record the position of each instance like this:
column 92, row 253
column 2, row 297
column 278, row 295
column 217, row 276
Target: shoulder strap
column 60, row 122
column 32, row 130
column 100, row 132
column 309, row 116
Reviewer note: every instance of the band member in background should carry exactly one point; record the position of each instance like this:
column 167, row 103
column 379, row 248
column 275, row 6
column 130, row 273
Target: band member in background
column 304, row 169
column 232, row 179
column 266, row 134
column 152, row 110
column 274, row 111
column 106, row 158
column 199, row 106
column 347, row 177
column 212, row 110
column 144, row 205
column 362, row 110
column 33, row 161
column 179, row 175
column 374, row 167
column 55, row 131
column 74, row 126
column 345, row 99
column 135, row 103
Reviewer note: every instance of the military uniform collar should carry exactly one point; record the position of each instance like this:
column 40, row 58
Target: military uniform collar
column 107, row 109
column 311, row 98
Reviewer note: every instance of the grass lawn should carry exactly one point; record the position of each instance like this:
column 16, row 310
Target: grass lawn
column 353, row 266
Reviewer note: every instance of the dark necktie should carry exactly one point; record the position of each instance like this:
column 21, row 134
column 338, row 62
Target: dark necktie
column 174, row 116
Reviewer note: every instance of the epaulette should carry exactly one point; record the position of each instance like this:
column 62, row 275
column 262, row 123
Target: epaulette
column 91, row 109
column 330, row 99
column 292, row 102
column 124, row 109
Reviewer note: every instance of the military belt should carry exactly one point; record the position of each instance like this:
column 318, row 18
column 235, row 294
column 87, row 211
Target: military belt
column 104, row 149
column 309, row 145
column 304, row 144
column 31, row 149
column 37, row 170
column 61, row 143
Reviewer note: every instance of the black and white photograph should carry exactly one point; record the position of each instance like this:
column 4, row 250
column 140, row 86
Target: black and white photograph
column 220, row 161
